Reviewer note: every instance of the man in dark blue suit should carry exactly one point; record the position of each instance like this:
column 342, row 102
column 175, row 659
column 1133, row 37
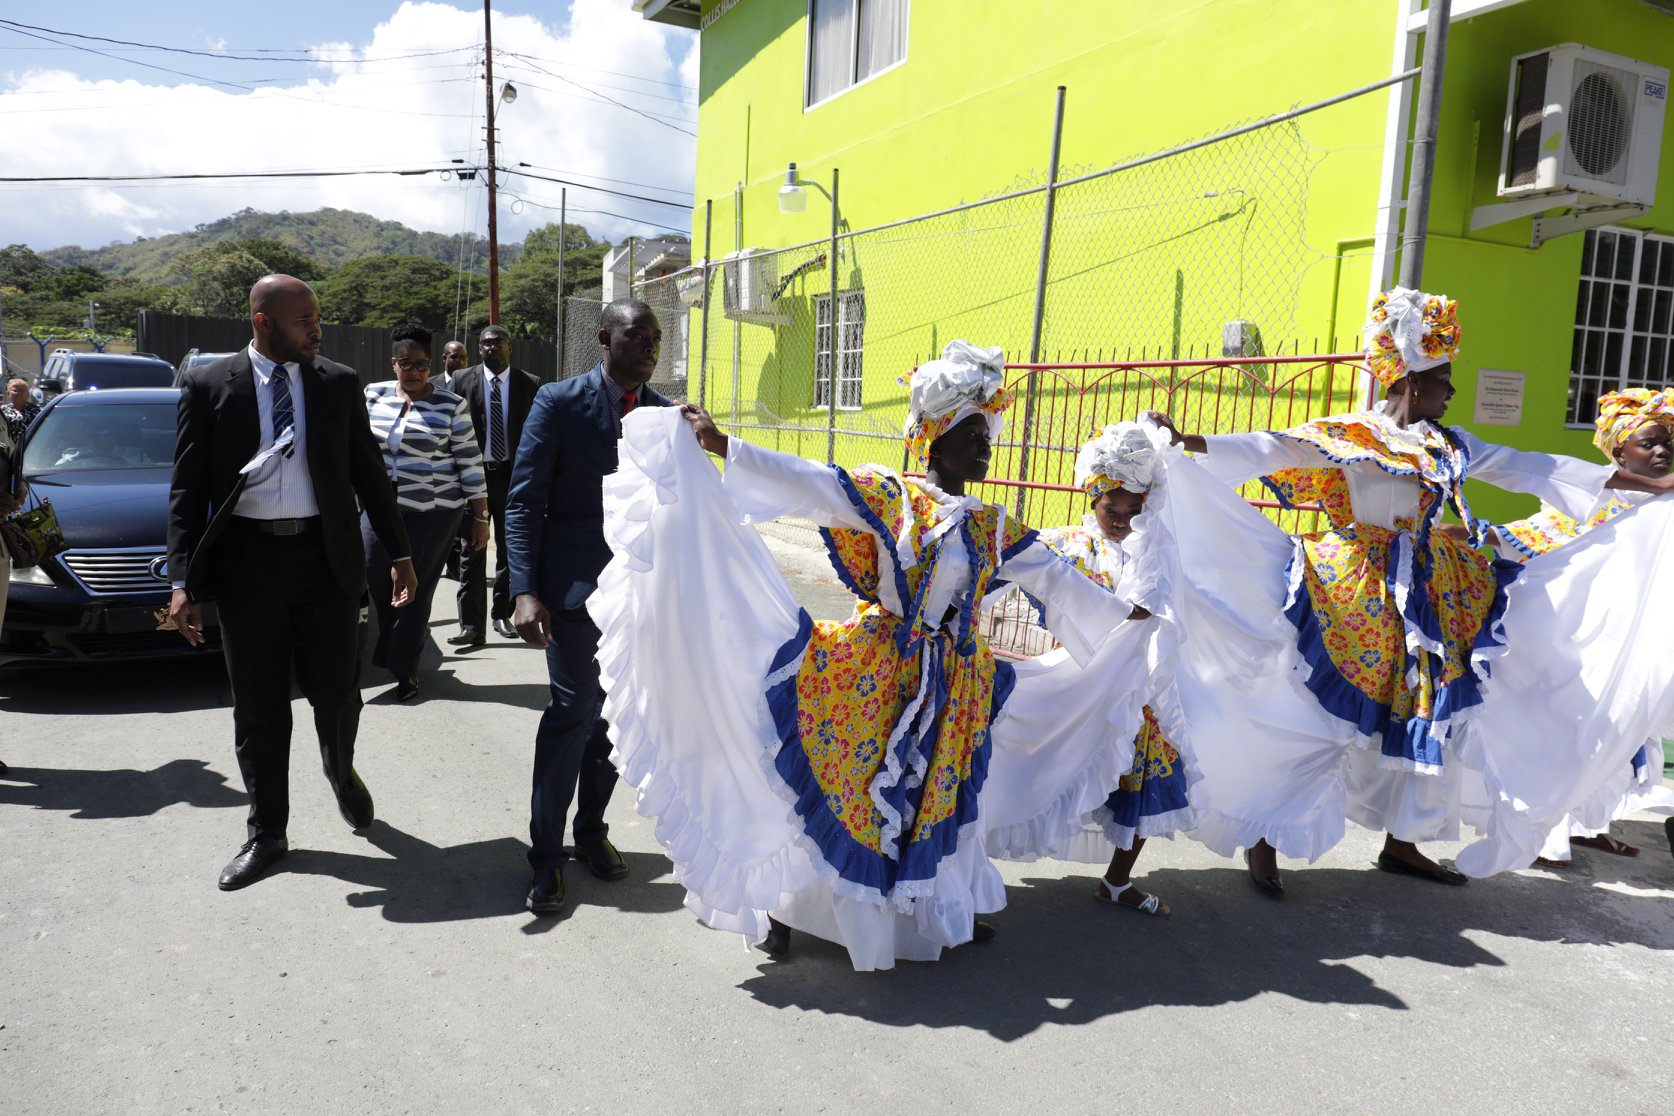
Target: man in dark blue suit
column 556, row 549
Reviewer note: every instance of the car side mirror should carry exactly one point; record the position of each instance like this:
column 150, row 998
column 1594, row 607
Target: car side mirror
column 56, row 387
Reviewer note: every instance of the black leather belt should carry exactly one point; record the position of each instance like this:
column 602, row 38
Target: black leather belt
column 278, row 526
column 495, row 466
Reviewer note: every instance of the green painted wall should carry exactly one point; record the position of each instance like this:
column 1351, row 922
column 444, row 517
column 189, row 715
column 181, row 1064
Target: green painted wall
column 1154, row 260
column 1518, row 303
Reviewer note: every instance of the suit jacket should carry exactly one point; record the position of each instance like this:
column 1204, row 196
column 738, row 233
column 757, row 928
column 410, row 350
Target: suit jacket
column 555, row 544
column 220, row 431
column 467, row 383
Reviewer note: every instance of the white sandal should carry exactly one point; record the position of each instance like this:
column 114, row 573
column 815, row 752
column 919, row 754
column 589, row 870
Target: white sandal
column 1109, row 893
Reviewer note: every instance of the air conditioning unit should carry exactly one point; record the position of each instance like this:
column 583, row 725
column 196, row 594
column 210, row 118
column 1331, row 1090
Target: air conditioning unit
column 1581, row 121
column 750, row 286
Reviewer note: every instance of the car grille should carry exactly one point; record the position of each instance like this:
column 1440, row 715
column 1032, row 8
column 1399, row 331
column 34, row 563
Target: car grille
column 138, row 643
column 111, row 572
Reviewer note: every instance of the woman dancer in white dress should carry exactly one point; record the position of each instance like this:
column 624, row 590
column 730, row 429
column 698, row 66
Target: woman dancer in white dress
column 1635, row 430
column 1151, row 797
column 1346, row 678
column 829, row 776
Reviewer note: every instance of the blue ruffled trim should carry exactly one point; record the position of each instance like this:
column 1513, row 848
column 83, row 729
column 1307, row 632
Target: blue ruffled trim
column 851, row 860
column 1417, row 741
column 886, row 537
column 843, row 574
column 1028, row 539
column 1518, row 544
column 1154, row 798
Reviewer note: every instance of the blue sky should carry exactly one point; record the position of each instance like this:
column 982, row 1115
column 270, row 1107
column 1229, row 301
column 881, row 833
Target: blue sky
column 345, row 86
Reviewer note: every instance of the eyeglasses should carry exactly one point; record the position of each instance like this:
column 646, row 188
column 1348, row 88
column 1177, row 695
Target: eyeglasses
column 412, row 365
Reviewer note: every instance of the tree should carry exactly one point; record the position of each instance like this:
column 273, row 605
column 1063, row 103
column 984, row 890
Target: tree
column 216, row 280
column 384, row 290
column 21, row 268
column 282, row 259
column 529, row 290
column 69, row 284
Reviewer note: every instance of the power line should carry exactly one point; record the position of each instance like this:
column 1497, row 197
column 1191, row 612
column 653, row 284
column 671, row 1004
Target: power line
column 596, row 70
column 614, row 101
column 620, row 88
column 228, row 174
column 263, row 55
column 595, row 189
column 603, row 178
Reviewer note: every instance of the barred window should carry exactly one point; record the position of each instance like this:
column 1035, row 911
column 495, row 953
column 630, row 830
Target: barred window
column 849, row 41
column 851, row 331
column 1624, row 318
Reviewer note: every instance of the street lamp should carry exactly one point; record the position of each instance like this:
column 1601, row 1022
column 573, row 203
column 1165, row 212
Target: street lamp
column 793, row 198
column 92, row 317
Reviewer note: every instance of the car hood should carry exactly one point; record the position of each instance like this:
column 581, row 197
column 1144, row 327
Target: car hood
column 108, row 508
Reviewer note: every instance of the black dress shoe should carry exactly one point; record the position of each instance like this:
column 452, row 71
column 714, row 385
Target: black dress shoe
column 254, row 858
column 1438, row 874
column 602, row 859
column 777, row 942
column 467, row 637
column 406, row 689
column 354, row 802
column 1267, row 885
column 1667, row 825
column 982, row 931
column 546, row 892
column 504, row 629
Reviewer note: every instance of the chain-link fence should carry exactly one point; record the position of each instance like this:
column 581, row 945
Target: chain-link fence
column 1175, row 281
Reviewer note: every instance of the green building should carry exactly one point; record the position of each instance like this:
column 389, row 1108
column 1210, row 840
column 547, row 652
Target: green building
column 1551, row 215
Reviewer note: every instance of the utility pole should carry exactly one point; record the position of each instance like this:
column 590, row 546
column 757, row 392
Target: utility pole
column 493, row 204
column 1426, row 124
column 563, row 233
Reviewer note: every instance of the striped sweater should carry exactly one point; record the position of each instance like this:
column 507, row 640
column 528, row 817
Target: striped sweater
column 430, row 449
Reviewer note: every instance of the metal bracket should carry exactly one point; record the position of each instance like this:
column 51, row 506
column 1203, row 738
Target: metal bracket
column 1546, row 228
column 1485, row 215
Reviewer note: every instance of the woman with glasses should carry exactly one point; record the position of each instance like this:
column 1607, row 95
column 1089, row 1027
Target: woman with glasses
column 430, row 450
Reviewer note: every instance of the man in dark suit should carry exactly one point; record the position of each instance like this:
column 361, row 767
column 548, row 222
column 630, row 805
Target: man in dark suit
column 500, row 397
column 555, row 540
column 453, row 362
column 272, row 454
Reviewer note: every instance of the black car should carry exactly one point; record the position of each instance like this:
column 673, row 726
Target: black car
column 104, row 459
column 67, row 371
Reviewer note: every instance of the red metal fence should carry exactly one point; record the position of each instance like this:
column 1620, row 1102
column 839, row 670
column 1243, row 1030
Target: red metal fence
column 1060, row 406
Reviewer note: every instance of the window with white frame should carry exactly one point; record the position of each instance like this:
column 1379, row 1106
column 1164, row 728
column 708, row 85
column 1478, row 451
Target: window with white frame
column 851, row 333
column 1624, row 318
column 849, row 41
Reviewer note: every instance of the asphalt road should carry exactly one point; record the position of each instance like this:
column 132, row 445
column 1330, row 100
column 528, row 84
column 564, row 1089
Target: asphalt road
column 398, row 972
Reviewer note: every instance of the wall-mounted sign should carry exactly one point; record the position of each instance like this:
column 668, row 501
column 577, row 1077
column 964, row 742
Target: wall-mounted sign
column 1499, row 397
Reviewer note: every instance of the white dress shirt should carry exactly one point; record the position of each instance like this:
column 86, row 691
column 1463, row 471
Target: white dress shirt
column 281, row 487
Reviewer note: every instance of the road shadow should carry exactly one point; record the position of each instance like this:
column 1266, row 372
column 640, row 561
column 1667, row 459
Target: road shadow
column 416, row 881
column 1060, row 958
column 444, row 685
column 120, row 793
column 140, row 686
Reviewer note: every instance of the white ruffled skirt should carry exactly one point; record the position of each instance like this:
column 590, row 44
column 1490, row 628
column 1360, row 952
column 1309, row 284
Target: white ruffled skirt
column 1585, row 675
column 692, row 611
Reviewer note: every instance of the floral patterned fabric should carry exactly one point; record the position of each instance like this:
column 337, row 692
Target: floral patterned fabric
column 1550, row 528
column 885, row 719
column 1391, row 623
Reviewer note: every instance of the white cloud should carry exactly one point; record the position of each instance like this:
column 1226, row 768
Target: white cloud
column 392, row 103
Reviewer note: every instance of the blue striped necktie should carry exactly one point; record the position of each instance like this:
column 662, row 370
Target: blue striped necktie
column 284, row 415
column 496, row 421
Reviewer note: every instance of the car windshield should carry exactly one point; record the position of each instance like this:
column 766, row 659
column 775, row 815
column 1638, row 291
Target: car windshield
column 95, row 373
column 103, row 436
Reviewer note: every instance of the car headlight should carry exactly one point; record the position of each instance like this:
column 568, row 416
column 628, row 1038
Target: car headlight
column 31, row 575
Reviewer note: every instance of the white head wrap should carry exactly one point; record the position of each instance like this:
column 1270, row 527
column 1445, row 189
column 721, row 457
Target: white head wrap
column 1122, row 455
column 965, row 381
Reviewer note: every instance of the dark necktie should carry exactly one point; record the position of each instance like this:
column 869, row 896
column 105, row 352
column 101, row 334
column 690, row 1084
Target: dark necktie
column 284, row 415
column 496, row 422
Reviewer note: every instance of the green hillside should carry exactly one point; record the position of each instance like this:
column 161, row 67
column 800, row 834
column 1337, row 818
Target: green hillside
column 332, row 237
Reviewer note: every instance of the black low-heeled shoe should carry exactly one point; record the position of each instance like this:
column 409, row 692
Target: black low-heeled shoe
column 982, row 931
column 1667, row 827
column 777, row 941
column 1440, row 874
column 1267, row 885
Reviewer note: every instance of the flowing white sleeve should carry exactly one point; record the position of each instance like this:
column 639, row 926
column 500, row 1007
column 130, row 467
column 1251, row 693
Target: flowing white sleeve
column 1079, row 612
column 765, row 484
column 1236, row 458
column 1569, row 484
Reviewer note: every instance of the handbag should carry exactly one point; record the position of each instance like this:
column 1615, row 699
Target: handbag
column 32, row 536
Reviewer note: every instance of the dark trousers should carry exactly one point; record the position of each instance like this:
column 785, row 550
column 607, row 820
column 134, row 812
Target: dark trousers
column 401, row 631
column 281, row 612
column 572, row 744
column 473, row 564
